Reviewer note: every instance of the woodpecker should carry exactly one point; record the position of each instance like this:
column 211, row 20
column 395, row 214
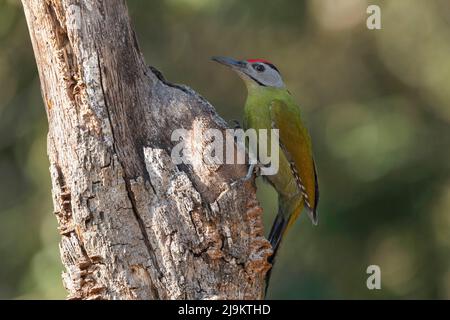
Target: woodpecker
column 269, row 105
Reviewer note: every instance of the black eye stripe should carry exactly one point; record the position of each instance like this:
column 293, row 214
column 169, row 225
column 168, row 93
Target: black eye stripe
column 262, row 65
column 258, row 67
column 273, row 67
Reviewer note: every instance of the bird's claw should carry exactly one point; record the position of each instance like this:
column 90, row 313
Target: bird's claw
column 252, row 168
column 237, row 124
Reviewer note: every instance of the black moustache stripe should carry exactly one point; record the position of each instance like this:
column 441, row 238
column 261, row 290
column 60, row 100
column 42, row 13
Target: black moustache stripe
column 258, row 82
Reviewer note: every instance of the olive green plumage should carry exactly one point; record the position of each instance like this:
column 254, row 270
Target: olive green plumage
column 296, row 180
column 269, row 105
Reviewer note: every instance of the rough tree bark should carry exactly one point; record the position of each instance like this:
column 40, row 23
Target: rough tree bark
column 134, row 225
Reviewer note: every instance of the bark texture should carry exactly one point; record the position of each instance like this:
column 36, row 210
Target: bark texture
column 133, row 224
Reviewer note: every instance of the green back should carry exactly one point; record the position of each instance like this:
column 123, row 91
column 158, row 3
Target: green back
column 268, row 108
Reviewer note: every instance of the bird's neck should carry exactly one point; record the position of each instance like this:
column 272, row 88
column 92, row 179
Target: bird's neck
column 256, row 91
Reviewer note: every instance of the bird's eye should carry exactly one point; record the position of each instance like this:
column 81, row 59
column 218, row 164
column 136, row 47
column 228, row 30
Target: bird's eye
column 259, row 67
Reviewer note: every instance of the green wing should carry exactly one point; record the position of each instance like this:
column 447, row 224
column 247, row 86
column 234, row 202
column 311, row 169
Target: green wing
column 296, row 145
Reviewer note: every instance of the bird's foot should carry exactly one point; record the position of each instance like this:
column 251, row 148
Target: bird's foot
column 237, row 124
column 252, row 168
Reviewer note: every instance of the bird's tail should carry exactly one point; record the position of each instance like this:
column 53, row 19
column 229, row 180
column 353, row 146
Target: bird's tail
column 279, row 227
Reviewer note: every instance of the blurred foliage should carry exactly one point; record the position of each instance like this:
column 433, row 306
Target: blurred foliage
column 377, row 104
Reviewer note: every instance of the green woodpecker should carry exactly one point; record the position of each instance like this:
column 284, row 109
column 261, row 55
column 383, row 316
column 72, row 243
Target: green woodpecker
column 269, row 105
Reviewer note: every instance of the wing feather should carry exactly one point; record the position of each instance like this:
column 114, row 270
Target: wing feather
column 295, row 143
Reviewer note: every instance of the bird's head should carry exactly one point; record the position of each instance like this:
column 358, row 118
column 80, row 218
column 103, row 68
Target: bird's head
column 257, row 72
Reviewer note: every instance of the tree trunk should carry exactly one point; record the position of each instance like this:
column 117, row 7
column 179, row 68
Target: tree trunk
column 133, row 224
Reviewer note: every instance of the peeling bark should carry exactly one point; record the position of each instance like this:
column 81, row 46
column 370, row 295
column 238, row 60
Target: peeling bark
column 134, row 225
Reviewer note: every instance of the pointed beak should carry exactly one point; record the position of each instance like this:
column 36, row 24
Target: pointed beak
column 229, row 62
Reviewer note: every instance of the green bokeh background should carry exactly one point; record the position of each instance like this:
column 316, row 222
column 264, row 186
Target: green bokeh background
column 377, row 104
